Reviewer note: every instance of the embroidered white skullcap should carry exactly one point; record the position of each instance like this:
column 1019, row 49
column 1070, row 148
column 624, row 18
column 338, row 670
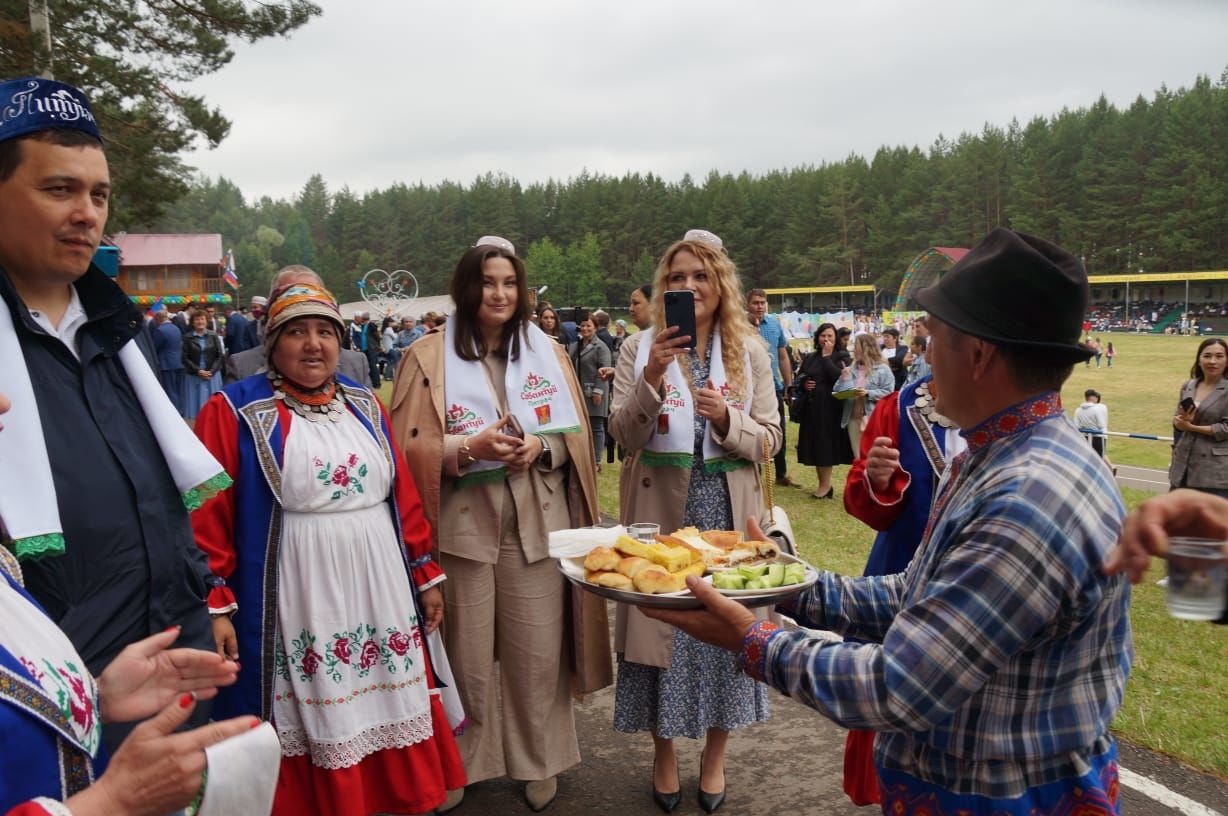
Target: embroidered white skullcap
column 704, row 237
column 496, row 241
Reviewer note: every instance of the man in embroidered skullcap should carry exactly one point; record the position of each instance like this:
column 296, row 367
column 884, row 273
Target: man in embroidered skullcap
column 99, row 470
column 1003, row 647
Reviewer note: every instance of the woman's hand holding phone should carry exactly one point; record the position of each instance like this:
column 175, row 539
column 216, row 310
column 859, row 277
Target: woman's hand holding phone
column 666, row 345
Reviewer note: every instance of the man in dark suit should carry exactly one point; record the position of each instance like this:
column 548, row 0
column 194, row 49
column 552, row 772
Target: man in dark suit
column 364, row 338
column 351, row 364
column 236, row 331
column 168, row 343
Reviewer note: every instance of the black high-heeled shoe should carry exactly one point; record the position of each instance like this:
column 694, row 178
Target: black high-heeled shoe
column 666, row 801
column 830, row 494
column 710, row 802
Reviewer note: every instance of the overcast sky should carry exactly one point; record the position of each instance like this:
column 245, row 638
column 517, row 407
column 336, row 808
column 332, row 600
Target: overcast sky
column 378, row 91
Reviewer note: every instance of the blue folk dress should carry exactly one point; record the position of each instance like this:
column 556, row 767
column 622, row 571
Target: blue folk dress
column 196, row 392
column 703, row 687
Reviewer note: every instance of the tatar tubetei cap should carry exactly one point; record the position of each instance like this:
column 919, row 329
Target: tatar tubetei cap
column 31, row 104
column 1017, row 290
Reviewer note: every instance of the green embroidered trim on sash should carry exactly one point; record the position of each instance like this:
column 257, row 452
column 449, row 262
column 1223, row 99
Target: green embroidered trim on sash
column 657, row 459
column 195, row 498
column 567, row 430
column 33, row 548
column 482, row 477
column 724, row 465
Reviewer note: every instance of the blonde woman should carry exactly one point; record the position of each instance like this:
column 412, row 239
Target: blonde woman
column 874, row 381
column 696, row 425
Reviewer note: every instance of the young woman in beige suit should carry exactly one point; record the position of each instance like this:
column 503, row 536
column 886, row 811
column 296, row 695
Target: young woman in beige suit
column 492, row 422
column 695, row 425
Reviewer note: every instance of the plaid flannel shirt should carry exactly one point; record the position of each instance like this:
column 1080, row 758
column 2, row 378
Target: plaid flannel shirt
column 1004, row 648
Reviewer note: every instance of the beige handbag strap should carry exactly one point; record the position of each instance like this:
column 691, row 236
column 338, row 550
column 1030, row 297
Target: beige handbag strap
column 768, row 479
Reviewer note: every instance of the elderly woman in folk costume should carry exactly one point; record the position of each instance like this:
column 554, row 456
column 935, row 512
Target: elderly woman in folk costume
column 696, row 425
column 493, row 422
column 324, row 579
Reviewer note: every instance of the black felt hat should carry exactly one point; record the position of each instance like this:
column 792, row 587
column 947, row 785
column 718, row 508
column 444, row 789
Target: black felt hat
column 1016, row 290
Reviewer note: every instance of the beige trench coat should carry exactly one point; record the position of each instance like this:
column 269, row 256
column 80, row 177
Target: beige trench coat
column 648, row 494
column 417, row 418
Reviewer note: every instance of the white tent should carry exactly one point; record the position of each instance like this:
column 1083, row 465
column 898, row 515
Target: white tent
column 440, row 304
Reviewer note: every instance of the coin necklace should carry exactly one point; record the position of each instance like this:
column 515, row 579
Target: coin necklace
column 316, row 404
column 925, row 404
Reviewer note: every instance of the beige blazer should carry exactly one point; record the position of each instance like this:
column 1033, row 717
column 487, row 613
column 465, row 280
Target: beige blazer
column 648, row 494
column 417, row 417
column 1201, row 459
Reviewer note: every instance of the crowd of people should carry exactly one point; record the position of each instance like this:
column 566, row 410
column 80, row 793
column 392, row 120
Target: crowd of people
column 385, row 577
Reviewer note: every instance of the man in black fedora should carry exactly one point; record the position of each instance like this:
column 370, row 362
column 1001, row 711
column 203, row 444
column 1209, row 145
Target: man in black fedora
column 1001, row 652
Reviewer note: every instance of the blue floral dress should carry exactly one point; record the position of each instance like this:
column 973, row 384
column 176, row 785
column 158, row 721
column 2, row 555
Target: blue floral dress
column 703, row 687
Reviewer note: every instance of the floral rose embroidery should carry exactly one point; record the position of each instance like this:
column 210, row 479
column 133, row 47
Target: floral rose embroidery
column 311, row 662
column 344, row 479
column 370, row 654
column 399, row 643
column 342, row 649
column 81, row 706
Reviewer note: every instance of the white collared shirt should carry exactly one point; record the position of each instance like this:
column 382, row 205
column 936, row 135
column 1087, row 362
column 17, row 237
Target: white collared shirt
column 72, row 321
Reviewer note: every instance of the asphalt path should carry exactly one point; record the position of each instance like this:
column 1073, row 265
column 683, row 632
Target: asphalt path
column 791, row 765
column 1152, row 480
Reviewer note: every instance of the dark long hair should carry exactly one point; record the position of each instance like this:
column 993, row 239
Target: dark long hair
column 1196, row 371
column 835, row 346
column 466, row 293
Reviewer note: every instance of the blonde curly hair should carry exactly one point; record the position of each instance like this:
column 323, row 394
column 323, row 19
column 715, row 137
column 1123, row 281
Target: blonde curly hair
column 731, row 317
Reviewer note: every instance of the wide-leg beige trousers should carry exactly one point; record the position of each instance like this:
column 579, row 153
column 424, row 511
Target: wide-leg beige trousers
column 510, row 612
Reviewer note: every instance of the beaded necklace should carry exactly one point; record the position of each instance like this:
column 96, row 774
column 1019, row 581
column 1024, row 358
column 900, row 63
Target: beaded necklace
column 316, row 404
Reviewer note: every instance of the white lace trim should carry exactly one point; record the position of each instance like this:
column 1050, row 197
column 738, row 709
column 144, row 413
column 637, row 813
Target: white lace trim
column 347, row 753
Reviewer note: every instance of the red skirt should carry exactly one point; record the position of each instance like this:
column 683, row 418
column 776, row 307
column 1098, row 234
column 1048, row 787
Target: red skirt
column 860, row 776
column 414, row 779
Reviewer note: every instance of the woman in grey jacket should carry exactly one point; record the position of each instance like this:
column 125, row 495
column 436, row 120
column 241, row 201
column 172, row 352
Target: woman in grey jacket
column 589, row 355
column 1200, row 454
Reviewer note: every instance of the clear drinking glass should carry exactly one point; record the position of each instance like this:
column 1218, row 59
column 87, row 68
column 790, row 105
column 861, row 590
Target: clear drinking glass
column 1196, row 575
column 644, row 531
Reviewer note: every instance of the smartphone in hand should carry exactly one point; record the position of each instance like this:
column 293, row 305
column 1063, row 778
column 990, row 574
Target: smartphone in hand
column 513, row 427
column 1187, row 404
column 680, row 312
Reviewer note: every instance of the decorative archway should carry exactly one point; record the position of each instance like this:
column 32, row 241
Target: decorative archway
column 924, row 271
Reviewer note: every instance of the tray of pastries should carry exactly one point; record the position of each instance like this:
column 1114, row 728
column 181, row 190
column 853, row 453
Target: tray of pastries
column 642, row 573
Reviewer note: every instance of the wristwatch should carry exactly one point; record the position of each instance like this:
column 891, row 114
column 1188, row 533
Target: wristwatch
column 545, row 458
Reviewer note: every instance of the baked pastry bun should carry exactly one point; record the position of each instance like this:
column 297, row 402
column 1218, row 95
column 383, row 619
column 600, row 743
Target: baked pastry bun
column 724, row 539
column 632, row 564
column 601, row 558
column 655, row 581
column 613, row 580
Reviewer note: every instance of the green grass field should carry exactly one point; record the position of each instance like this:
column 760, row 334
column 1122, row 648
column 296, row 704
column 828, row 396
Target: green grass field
column 1174, row 701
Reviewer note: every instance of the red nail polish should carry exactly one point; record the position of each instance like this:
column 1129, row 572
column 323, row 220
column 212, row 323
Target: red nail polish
column 185, row 700
column 169, row 628
column 256, row 724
